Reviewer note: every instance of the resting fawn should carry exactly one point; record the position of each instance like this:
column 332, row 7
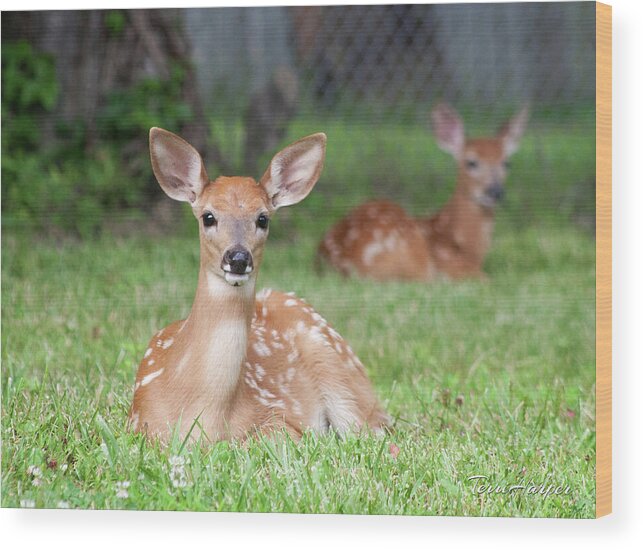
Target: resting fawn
column 379, row 240
column 241, row 363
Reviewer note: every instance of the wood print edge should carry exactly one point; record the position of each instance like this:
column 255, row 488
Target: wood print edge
column 603, row 259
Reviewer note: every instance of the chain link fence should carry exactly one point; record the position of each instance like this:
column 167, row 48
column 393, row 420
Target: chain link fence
column 401, row 57
column 366, row 75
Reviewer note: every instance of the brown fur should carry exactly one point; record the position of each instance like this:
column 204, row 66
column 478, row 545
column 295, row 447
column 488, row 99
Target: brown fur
column 241, row 363
column 381, row 241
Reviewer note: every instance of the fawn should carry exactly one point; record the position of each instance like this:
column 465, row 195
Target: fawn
column 241, row 363
column 379, row 240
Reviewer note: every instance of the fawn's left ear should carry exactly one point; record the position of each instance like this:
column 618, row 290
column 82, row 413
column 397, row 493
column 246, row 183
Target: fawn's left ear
column 177, row 165
column 512, row 131
column 448, row 129
column 294, row 171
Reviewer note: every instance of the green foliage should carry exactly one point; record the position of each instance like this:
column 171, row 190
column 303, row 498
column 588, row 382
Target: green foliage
column 131, row 112
column 115, row 21
column 66, row 195
column 29, row 88
column 64, row 185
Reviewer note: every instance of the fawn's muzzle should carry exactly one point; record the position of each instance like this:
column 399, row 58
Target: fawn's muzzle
column 496, row 192
column 237, row 260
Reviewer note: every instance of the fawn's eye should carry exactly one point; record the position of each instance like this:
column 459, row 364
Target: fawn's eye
column 208, row 219
column 472, row 163
column 262, row 221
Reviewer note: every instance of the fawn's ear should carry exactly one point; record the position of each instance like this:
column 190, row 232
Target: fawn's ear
column 177, row 165
column 448, row 129
column 294, row 170
column 512, row 131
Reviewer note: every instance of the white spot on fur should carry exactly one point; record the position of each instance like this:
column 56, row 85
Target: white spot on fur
column 260, row 371
column 148, row 352
column 167, row 343
column 296, row 407
column 390, row 242
column 371, row 250
column 272, row 403
column 261, row 349
column 290, row 303
column 316, row 334
column 352, row 235
column 262, row 392
column 264, row 294
column 318, row 318
column 150, row 362
column 292, row 356
column 147, row 379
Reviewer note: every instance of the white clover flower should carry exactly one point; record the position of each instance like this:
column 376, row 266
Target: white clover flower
column 121, row 489
column 27, row 503
column 178, row 476
column 62, row 504
column 34, row 471
column 177, row 460
column 179, row 482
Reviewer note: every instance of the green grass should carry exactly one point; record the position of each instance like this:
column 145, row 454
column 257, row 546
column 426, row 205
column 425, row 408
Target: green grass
column 492, row 379
column 551, row 180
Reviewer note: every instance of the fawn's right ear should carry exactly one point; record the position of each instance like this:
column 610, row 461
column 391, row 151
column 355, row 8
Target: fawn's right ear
column 177, row 165
column 294, row 170
column 448, row 129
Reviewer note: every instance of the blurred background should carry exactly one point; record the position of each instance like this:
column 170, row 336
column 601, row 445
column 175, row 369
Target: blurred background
column 80, row 90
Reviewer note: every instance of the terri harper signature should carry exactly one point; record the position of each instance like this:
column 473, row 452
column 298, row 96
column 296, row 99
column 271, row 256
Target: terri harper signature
column 481, row 485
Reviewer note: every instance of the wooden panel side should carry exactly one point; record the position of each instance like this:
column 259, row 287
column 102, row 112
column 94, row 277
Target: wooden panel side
column 603, row 259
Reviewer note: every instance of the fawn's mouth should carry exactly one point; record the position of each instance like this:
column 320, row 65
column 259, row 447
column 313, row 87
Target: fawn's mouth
column 236, row 279
column 486, row 201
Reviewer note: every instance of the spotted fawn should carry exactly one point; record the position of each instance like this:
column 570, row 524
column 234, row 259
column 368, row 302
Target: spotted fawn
column 243, row 363
column 380, row 240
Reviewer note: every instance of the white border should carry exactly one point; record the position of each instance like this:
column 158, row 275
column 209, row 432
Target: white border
column 78, row 529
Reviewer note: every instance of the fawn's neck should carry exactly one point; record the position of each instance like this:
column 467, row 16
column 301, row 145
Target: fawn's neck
column 216, row 337
column 467, row 223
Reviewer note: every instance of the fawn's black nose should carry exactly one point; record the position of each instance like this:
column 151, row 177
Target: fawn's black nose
column 237, row 260
column 496, row 192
